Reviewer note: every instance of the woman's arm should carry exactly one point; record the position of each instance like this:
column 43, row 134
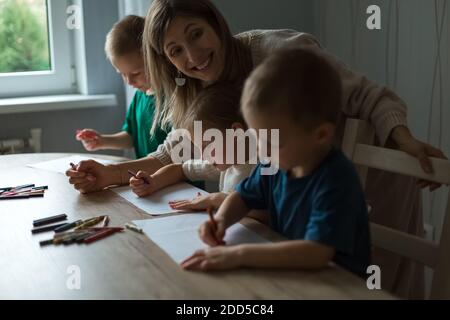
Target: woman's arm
column 150, row 164
column 89, row 176
column 169, row 175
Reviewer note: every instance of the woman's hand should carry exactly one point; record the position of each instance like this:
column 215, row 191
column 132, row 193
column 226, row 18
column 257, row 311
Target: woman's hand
column 144, row 184
column 90, row 139
column 421, row 150
column 217, row 258
column 89, row 176
column 199, row 203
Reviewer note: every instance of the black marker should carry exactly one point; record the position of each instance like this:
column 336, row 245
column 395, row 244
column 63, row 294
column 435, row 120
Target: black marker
column 48, row 220
column 68, row 226
column 47, row 228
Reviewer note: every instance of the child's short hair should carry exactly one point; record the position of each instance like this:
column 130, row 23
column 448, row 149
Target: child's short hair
column 298, row 83
column 217, row 106
column 125, row 37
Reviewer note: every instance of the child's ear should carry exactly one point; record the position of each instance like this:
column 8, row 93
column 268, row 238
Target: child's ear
column 237, row 125
column 325, row 132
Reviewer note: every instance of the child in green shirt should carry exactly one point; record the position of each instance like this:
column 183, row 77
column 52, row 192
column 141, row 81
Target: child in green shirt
column 138, row 123
column 124, row 49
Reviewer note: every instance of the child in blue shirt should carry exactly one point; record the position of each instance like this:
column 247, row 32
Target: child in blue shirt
column 315, row 199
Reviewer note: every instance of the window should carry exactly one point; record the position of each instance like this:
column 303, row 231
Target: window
column 35, row 48
column 24, row 36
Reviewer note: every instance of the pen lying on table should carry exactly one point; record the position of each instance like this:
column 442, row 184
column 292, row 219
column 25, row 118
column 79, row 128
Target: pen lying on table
column 22, row 192
column 87, row 236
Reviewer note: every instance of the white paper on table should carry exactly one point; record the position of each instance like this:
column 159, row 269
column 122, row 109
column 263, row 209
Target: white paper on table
column 61, row 165
column 158, row 203
column 178, row 235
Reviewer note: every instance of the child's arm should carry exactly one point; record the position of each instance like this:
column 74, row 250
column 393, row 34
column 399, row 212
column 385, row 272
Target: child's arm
column 287, row 254
column 92, row 140
column 231, row 211
column 119, row 141
column 201, row 202
column 164, row 177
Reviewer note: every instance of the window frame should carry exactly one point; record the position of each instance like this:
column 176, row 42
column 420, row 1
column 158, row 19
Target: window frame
column 59, row 80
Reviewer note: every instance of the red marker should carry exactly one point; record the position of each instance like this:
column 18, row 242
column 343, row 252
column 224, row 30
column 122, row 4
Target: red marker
column 81, row 134
column 131, row 173
column 74, row 167
column 100, row 235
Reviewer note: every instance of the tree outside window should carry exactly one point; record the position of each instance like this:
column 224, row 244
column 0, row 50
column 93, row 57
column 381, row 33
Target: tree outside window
column 24, row 40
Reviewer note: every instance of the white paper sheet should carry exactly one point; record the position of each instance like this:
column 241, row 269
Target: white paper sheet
column 62, row 164
column 158, row 203
column 178, row 235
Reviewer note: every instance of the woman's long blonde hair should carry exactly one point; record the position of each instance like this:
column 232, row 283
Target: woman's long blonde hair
column 172, row 101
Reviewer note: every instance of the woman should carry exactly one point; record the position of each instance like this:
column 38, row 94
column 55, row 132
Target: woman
column 188, row 45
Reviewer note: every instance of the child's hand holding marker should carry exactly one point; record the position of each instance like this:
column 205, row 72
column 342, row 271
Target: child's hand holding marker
column 218, row 257
column 91, row 139
column 212, row 231
column 142, row 183
column 87, row 134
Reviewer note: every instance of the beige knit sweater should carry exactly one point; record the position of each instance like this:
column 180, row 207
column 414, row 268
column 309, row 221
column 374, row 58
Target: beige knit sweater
column 363, row 99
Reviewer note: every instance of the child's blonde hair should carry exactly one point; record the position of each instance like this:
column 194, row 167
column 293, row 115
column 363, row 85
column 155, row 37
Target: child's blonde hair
column 297, row 83
column 172, row 101
column 125, row 37
column 217, row 106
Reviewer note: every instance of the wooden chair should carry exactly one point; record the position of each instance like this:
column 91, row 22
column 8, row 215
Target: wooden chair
column 358, row 146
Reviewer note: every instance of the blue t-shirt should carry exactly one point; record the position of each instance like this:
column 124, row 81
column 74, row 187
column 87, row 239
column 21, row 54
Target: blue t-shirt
column 326, row 206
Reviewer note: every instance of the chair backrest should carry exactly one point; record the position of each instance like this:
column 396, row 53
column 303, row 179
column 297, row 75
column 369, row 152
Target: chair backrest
column 358, row 146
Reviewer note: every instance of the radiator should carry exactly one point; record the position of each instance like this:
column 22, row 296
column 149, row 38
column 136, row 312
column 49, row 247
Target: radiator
column 22, row 145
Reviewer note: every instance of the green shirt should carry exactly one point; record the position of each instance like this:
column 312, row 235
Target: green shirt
column 138, row 123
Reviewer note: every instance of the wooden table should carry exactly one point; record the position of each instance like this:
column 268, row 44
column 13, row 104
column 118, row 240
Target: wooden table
column 129, row 265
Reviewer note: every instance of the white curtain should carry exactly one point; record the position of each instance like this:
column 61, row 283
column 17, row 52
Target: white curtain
column 410, row 54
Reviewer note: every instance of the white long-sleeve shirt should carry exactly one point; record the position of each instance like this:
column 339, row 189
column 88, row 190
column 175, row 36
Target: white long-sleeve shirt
column 228, row 179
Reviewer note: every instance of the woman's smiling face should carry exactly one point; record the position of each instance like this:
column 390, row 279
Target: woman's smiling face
column 194, row 48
